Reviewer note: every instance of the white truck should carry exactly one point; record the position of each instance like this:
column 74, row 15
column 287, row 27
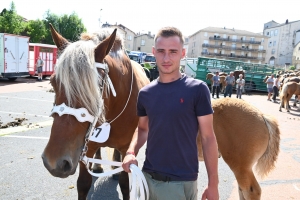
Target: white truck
column 14, row 56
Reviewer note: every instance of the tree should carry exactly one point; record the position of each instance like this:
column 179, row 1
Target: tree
column 36, row 30
column 10, row 21
column 292, row 67
column 70, row 27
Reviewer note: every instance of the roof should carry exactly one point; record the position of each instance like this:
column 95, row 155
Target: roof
column 282, row 24
column 228, row 31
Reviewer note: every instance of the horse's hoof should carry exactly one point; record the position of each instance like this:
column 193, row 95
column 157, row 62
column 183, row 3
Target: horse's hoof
column 98, row 171
column 116, row 176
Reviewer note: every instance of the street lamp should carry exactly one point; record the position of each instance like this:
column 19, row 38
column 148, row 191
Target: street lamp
column 100, row 18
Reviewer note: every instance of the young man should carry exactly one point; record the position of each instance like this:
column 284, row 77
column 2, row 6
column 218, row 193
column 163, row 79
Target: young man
column 270, row 83
column 39, row 65
column 276, row 86
column 171, row 109
column 216, row 85
column 229, row 84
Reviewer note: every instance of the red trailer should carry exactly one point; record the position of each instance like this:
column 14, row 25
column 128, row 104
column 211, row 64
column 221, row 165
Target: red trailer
column 49, row 55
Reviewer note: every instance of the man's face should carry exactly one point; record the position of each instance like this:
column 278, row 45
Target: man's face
column 231, row 74
column 168, row 51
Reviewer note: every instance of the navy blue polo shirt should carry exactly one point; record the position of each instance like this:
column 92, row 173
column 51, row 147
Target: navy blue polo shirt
column 172, row 109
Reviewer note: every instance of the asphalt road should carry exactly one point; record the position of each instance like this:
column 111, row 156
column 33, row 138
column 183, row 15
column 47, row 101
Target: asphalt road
column 22, row 174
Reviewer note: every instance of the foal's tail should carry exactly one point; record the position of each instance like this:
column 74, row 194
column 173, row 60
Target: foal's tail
column 266, row 162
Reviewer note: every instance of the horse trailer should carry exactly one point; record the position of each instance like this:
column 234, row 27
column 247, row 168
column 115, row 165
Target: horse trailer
column 14, row 54
column 48, row 54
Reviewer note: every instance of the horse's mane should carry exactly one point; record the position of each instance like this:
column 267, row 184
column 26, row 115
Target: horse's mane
column 75, row 70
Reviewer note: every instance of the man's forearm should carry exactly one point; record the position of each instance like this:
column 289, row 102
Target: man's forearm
column 138, row 140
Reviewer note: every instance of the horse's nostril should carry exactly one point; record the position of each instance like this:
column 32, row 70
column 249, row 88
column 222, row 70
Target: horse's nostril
column 66, row 166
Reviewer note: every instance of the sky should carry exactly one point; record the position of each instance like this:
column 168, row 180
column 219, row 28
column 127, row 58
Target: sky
column 143, row 16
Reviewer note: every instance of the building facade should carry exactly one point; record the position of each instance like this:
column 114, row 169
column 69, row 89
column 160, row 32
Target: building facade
column 143, row 42
column 296, row 56
column 229, row 44
column 282, row 39
column 128, row 35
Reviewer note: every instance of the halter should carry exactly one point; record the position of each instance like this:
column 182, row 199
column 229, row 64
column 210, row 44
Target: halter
column 93, row 134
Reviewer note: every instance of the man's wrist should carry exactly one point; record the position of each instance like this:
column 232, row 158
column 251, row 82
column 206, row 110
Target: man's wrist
column 130, row 153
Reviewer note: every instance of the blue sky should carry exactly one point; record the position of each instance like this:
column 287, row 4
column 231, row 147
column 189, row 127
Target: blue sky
column 145, row 15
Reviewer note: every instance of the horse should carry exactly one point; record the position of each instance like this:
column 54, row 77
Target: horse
column 94, row 77
column 222, row 83
column 246, row 137
column 288, row 89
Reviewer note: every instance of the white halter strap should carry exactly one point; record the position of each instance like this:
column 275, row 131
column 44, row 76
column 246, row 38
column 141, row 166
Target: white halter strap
column 105, row 68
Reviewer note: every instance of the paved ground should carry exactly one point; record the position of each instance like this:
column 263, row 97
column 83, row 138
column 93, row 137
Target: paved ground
column 23, row 176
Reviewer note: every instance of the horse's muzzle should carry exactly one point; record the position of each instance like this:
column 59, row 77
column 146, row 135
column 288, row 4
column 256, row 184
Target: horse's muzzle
column 62, row 168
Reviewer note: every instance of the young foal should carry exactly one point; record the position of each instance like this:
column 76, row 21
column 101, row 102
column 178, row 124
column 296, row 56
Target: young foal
column 245, row 136
column 81, row 82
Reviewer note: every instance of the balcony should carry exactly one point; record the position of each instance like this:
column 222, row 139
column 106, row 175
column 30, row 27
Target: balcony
column 233, row 48
column 228, row 39
column 232, row 56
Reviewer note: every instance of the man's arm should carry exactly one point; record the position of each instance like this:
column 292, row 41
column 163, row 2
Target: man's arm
column 210, row 154
column 138, row 140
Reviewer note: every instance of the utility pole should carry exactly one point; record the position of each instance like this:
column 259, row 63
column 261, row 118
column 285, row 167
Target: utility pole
column 100, row 19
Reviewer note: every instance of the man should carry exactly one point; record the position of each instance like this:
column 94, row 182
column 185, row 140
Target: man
column 39, row 65
column 229, row 84
column 276, row 86
column 240, row 82
column 270, row 83
column 216, row 85
column 171, row 109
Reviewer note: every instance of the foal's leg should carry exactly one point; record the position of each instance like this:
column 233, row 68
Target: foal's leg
column 249, row 188
column 97, row 168
column 84, row 182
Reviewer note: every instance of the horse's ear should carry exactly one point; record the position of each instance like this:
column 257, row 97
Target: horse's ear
column 59, row 40
column 104, row 47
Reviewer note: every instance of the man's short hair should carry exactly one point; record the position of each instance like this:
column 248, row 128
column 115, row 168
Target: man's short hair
column 169, row 32
column 240, row 75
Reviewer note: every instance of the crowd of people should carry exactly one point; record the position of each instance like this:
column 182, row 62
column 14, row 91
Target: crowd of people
column 230, row 83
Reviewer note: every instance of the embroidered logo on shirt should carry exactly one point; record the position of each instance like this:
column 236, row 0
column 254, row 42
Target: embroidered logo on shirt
column 181, row 100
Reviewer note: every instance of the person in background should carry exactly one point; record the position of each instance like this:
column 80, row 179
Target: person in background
column 172, row 109
column 240, row 82
column 276, row 86
column 216, row 85
column 270, row 83
column 39, row 65
column 229, row 84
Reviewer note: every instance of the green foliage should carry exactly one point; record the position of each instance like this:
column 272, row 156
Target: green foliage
column 10, row 21
column 292, row 67
column 36, row 30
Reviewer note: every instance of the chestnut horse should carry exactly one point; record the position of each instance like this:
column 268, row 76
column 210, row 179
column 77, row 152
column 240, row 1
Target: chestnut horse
column 245, row 136
column 80, row 83
column 288, row 90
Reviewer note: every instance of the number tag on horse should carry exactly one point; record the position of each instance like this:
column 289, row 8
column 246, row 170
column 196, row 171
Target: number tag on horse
column 101, row 133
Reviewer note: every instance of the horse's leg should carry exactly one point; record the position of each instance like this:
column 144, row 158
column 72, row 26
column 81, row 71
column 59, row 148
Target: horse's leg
column 84, row 182
column 97, row 168
column 249, row 188
column 124, row 182
column 116, row 157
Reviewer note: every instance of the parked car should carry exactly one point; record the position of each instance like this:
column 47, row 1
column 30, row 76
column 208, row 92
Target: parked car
column 150, row 58
column 134, row 57
column 138, row 54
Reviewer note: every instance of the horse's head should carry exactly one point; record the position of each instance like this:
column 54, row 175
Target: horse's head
column 78, row 99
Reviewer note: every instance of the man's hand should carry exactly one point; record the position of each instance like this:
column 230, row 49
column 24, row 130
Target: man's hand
column 210, row 193
column 128, row 160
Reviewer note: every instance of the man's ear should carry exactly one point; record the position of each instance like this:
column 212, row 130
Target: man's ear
column 183, row 53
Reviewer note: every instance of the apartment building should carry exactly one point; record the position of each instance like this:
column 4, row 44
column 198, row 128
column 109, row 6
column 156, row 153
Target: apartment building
column 143, row 42
column 128, row 35
column 229, row 44
column 282, row 39
column 296, row 56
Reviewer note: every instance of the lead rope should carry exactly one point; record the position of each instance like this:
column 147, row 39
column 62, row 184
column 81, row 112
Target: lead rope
column 136, row 177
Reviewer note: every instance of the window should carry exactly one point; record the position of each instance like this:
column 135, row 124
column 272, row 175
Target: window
column 205, row 51
column 143, row 42
column 275, row 32
column 252, row 39
column 233, row 45
column 270, row 44
column 224, row 36
column 194, row 44
column 128, row 46
column 274, row 43
column 129, row 37
column 267, row 33
column 205, row 41
column 299, row 49
column 272, row 33
column 262, row 40
column 259, row 55
column 298, row 58
column 260, row 47
column 216, row 51
column 273, row 51
column 205, row 34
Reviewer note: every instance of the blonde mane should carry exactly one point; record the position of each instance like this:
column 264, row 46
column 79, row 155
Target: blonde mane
column 75, row 71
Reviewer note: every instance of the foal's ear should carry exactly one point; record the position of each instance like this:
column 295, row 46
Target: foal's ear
column 104, row 47
column 59, row 40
